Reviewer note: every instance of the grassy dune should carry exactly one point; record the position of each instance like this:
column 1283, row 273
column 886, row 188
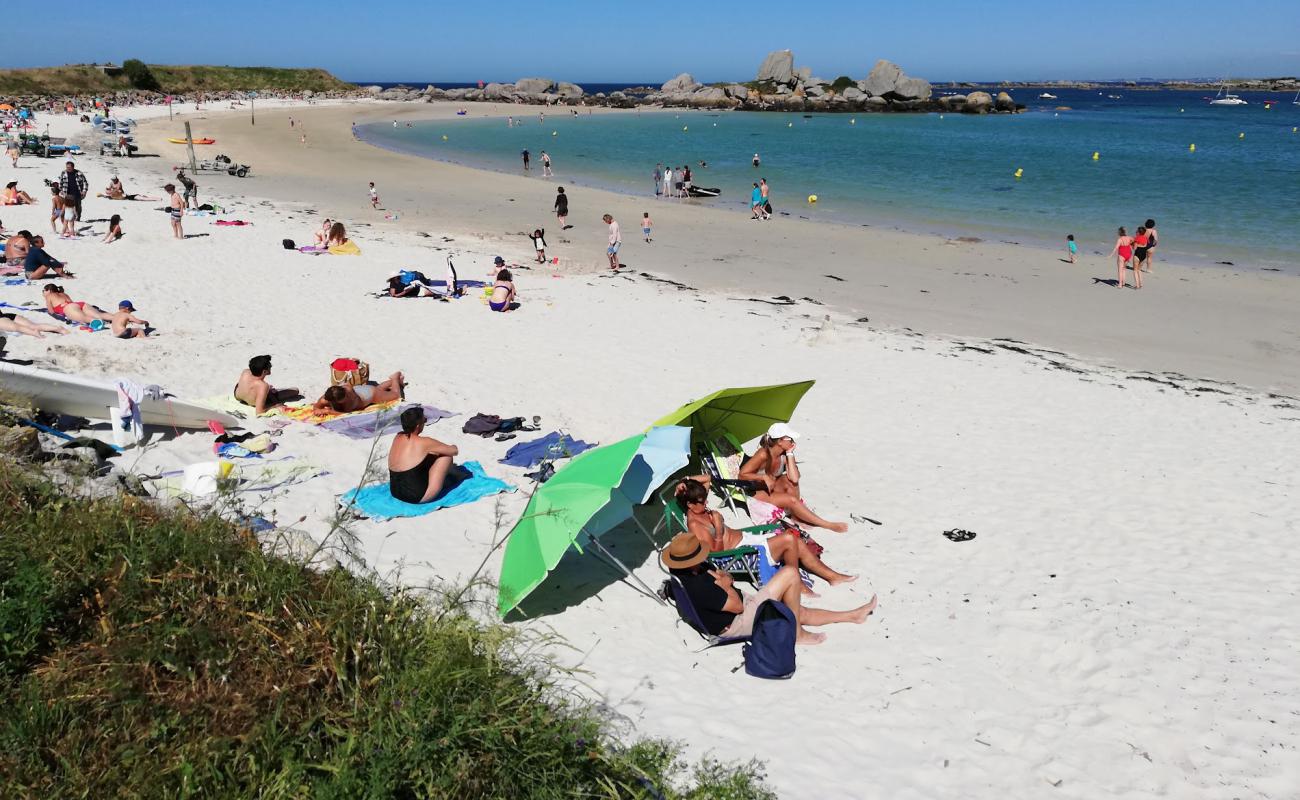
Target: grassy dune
column 172, row 79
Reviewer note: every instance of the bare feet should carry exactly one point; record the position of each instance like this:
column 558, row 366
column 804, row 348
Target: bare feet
column 808, row 637
column 807, row 591
column 861, row 613
column 842, row 578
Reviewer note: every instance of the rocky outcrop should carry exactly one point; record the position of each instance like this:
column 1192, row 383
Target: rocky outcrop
column 533, row 85
column 887, row 80
column 1004, row 102
column 682, row 83
column 852, row 94
column 566, row 89
column 778, row 67
column 498, row 91
column 978, row 103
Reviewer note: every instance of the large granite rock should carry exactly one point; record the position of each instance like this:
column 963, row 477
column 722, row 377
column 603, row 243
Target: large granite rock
column 978, row 103
column 952, row 101
column 710, row 94
column 533, row 85
column 853, row 93
column 738, row 91
column 804, row 75
column 498, row 91
column 1004, row 102
column 815, row 90
column 566, row 89
column 888, row 80
column 682, row 83
column 777, row 67
column 374, row 89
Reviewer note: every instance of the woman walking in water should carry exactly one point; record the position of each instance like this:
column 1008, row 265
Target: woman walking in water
column 1123, row 252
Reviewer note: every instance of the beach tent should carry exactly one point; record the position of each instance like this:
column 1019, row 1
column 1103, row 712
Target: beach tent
column 589, row 496
column 745, row 413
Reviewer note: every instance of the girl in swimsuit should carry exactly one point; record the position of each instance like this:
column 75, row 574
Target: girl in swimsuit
column 783, row 546
column 775, row 467
column 343, row 399
column 338, row 235
column 1123, row 252
column 1141, row 253
column 59, row 304
column 419, row 467
column 503, row 293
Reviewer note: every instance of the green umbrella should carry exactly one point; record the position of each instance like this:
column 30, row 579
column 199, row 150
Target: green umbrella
column 745, row 413
column 556, row 514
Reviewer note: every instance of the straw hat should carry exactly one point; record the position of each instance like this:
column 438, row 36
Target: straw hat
column 684, row 551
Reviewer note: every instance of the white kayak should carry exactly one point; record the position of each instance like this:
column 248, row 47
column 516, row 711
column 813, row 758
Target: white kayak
column 61, row 393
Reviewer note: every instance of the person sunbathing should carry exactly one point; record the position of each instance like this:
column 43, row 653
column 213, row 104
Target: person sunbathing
column 115, row 191
column 13, row 196
column 409, row 283
column 12, row 323
column 774, row 466
column 60, row 305
column 785, row 546
column 252, row 388
column 17, row 247
column 421, row 468
column 503, row 293
column 725, row 611
column 344, row 399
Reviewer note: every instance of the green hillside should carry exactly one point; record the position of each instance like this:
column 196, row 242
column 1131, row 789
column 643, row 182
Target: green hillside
column 85, row 79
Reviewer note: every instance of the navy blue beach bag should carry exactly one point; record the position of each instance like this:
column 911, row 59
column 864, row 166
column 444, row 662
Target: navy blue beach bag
column 770, row 651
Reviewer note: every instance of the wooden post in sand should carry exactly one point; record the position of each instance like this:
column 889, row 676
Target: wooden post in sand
column 189, row 139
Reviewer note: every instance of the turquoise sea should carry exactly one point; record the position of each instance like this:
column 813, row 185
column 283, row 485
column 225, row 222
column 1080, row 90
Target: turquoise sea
column 1235, row 198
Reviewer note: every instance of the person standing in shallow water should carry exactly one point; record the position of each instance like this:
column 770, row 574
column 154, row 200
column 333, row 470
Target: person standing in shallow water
column 659, row 178
column 526, row 156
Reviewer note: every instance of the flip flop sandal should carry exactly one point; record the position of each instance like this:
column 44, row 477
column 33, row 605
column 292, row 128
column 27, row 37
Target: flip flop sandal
column 861, row 518
column 505, row 437
column 959, row 535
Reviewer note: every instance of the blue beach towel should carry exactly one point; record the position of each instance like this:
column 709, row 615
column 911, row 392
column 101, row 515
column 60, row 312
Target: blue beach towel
column 548, row 448
column 377, row 502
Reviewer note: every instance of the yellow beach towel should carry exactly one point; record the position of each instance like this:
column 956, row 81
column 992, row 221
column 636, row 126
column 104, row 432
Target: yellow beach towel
column 305, row 413
column 348, row 248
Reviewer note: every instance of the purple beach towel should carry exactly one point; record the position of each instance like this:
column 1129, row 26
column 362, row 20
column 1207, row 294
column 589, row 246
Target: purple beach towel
column 368, row 426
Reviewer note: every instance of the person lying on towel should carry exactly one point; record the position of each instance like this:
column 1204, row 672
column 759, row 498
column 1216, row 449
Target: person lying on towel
column 344, row 399
column 253, row 390
column 420, row 468
column 726, row 612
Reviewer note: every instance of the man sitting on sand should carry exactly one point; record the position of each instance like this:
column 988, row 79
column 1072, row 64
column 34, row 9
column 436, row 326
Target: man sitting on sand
column 784, row 546
column 344, row 399
column 253, row 390
column 421, row 468
column 726, row 612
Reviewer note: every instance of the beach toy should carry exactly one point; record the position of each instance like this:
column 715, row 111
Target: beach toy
column 97, row 324
column 556, row 260
column 1019, row 172
column 812, row 198
column 1191, row 148
column 1096, row 156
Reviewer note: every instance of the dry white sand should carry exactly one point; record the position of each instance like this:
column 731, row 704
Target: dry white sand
column 1124, row 624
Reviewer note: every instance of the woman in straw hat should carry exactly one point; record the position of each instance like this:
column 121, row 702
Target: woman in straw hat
column 726, row 612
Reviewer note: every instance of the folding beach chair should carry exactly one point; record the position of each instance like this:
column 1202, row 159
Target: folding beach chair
column 673, row 592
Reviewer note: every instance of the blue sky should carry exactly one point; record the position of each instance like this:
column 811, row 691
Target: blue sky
column 617, row 41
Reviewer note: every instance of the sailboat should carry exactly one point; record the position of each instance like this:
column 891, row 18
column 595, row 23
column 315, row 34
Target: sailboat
column 1296, row 101
column 1225, row 98
column 1046, row 96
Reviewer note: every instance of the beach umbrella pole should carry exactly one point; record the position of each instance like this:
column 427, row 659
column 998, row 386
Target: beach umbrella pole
column 646, row 590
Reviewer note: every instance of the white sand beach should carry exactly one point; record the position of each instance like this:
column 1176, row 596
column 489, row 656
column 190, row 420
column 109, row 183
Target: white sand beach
column 1122, row 625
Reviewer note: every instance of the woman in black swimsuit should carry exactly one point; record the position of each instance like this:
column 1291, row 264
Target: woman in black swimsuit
column 420, row 468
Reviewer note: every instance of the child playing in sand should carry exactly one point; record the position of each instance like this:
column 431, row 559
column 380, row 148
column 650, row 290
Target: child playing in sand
column 646, row 224
column 1071, row 247
column 56, row 209
column 124, row 319
column 114, row 229
column 539, row 243
column 374, row 195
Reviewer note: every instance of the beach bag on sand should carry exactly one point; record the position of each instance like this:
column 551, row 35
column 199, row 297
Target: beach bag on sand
column 770, row 651
column 288, row 244
column 482, row 424
column 349, row 372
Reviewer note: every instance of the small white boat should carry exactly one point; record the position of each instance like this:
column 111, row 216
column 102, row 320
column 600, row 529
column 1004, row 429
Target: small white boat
column 1296, row 101
column 1046, row 96
column 1225, row 98
column 1115, row 96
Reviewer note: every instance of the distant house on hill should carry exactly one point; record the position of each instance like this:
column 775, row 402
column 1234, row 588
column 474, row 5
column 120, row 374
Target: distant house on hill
column 111, row 70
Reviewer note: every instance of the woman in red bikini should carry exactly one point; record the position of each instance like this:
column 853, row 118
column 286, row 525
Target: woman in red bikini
column 60, row 305
column 1123, row 252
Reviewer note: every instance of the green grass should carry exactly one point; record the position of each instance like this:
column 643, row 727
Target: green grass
column 74, row 79
column 151, row 653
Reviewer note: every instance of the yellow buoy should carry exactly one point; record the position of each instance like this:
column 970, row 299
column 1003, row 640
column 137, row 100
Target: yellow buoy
column 1293, row 130
column 444, row 137
column 1019, row 172
column 684, row 128
column 812, row 198
column 1096, row 156
column 1241, row 135
column 1191, row 148
column 853, row 121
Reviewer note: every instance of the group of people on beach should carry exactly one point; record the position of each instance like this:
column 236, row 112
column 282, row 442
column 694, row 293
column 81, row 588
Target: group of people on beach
column 1135, row 252
column 675, row 182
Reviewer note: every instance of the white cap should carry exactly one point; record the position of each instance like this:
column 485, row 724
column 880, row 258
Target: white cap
column 780, row 430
